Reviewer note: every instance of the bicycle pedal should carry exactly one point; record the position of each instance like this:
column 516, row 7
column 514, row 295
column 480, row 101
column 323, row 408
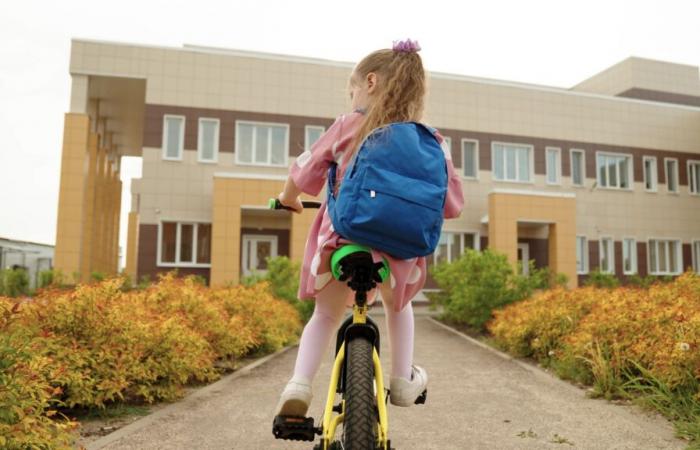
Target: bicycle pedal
column 421, row 398
column 294, row 428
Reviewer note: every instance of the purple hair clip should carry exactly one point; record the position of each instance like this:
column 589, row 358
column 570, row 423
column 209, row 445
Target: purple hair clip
column 407, row 46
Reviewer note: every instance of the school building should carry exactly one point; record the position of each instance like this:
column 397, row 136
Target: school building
column 605, row 174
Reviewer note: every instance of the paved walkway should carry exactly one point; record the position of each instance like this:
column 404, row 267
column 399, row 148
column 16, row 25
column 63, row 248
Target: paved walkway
column 477, row 399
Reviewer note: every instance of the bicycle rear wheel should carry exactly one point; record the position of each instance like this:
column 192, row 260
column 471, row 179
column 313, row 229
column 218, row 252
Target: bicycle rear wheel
column 360, row 422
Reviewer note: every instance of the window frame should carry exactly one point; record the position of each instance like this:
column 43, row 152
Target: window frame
column 195, row 233
column 689, row 164
column 558, row 167
column 461, row 233
column 269, row 154
column 695, row 254
column 630, row 171
column 677, row 190
column 307, row 147
column 531, row 174
column 583, row 166
column 655, row 173
column 634, row 258
column 584, row 256
column 215, row 158
column 476, row 157
column 679, row 256
column 611, row 255
column 164, row 141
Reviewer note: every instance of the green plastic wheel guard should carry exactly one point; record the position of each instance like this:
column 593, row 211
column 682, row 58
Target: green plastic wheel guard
column 349, row 249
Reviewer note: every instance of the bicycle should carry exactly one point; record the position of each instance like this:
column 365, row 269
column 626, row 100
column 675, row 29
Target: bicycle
column 357, row 373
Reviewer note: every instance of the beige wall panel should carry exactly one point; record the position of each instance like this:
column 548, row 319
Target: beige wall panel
column 225, row 81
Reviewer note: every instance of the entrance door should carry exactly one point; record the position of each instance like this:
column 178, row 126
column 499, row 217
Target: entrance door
column 256, row 248
column 524, row 256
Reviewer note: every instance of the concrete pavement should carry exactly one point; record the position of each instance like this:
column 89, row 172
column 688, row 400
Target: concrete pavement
column 477, row 399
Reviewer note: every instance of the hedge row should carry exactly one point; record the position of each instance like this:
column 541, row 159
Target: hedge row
column 102, row 343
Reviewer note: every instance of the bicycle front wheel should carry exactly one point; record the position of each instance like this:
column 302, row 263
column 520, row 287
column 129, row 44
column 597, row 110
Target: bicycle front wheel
column 360, row 422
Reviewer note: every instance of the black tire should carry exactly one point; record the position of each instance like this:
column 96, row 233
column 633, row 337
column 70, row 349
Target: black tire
column 360, row 422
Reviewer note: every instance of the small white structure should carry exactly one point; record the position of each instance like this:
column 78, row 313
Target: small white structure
column 32, row 256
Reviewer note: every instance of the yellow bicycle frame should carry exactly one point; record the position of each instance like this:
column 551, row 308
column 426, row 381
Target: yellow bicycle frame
column 359, row 315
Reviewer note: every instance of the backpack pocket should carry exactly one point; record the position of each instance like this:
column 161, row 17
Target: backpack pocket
column 399, row 214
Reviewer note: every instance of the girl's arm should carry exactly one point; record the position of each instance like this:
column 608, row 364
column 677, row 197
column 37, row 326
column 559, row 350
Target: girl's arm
column 290, row 196
column 309, row 171
column 454, row 200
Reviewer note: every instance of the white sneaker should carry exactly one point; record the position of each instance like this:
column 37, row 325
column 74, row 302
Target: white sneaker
column 295, row 398
column 404, row 392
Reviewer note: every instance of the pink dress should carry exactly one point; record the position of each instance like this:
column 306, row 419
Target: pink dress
column 309, row 173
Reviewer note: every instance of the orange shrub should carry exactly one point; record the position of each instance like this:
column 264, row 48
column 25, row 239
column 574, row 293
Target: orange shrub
column 100, row 343
column 606, row 331
column 27, row 400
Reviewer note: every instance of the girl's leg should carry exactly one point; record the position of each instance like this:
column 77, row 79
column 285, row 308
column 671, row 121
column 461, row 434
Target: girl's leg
column 317, row 334
column 400, row 328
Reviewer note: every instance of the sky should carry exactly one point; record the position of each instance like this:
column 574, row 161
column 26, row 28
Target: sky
column 556, row 43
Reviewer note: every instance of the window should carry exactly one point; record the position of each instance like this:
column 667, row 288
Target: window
column 629, row 256
column 208, row 140
column 262, row 143
column 311, row 135
column 607, row 255
column 614, row 170
column 451, row 246
column 470, row 158
column 694, row 177
column 184, row 244
column 447, row 143
column 696, row 256
column 650, row 174
column 553, row 165
column 173, row 137
column 664, row 256
column 671, row 166
column 578, row 167
column 511, row 162
column 581, row 255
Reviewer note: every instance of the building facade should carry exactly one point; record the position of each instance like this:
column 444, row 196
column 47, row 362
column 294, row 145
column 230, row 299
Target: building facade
column 603, row 175
column 30, row 256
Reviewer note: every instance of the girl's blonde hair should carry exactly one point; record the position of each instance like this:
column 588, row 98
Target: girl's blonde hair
column 401, row 90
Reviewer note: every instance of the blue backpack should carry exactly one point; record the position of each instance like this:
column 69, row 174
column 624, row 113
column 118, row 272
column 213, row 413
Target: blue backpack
column 393, row 193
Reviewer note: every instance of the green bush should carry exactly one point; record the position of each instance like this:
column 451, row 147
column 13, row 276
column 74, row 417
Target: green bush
column 283, row 276
column 14, row 282
column 599, row 279
column 479, row 282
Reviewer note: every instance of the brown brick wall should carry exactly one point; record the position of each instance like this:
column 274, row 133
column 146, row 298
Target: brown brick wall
column 660, row 96
column 153, row 125
column 153, row 133
column 148, row 256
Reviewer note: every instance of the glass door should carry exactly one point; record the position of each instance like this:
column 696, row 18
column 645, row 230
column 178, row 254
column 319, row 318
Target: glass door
column 256, row 249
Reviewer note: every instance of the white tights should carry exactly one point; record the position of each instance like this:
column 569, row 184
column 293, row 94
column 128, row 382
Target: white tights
column 323, row 326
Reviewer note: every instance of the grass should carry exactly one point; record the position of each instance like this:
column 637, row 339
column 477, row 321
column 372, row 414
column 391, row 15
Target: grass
column 680, row 404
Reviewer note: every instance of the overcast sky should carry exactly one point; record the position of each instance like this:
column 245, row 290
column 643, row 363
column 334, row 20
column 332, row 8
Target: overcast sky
column 557, row 43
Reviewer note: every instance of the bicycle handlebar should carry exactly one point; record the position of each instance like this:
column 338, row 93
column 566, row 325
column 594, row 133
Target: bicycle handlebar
column 274, row 203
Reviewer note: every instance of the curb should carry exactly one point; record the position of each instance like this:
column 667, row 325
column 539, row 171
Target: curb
column 533, row 369
column 149, row 419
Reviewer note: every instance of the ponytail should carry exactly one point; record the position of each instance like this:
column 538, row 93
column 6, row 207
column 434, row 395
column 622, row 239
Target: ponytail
column 401, row 93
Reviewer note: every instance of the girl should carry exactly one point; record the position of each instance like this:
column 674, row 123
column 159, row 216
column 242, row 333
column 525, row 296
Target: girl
column 386, row 86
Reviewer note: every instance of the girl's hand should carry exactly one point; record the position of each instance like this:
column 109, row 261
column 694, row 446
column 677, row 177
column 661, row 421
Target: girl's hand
column 291, row 203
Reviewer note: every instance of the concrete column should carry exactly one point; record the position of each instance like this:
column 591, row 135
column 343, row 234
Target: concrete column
column 71, row 199
column 132, row 247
